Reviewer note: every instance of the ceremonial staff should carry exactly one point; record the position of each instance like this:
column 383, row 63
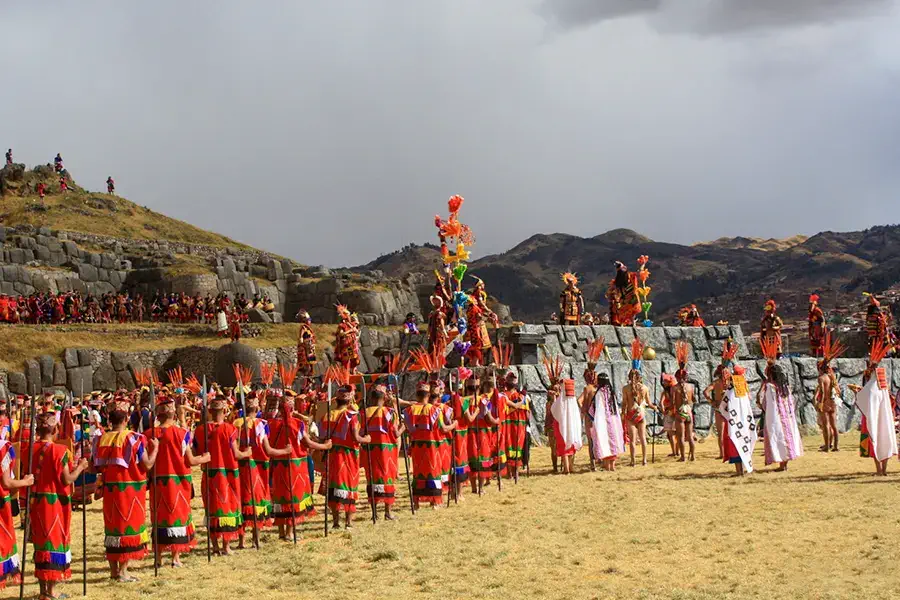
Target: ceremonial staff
column 153, row 492
column 404, row 446
column 83, row 504
column 652, row 434
column 206, row 449
column 325, row 453
column 26, row 523
column 499, row 432
column 369, row 484
column 250, row 466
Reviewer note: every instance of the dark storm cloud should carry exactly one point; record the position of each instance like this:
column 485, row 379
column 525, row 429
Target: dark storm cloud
column 332, row 132
column 710, row 16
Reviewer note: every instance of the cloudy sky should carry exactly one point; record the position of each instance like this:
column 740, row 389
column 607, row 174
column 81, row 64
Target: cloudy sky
column 332, row 132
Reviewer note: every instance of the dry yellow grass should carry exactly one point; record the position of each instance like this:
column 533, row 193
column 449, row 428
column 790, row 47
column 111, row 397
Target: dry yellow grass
column 21, row 342
column 104, row 214
column 825, row 529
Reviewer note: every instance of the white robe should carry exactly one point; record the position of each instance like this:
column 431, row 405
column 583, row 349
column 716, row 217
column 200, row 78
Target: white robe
column 875, row 404
column 738, row 413
column 567, row 413
column 782, row 441
column 608, row 439
column 221, row 321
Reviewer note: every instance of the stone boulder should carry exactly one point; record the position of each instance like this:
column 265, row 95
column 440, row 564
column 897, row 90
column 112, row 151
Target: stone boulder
column 228, row 355
column 257, row 315
column 80, row 380
column 104, row 378
column 17, row 382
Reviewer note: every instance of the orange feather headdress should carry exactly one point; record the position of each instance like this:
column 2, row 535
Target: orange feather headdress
column 879, row 350
column 554, row 368
column 176, row 380
column 193, row 384
column 832, row 348
column 769, row 349
column 502, row 354
column 595, row 351
column 266, row 373
column 729, row 352
column 288, row 375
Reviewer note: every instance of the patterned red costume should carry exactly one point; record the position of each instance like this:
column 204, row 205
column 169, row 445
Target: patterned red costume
column 515, row 427
column 256, row 497
column 461, row 442
column 221, row 475
column 117, row 456
column 51, row 512
column 624, row 304
column 571, row 302
column 343, row 459
column 172, row 489
column 346, row 341
column 423, row 424
column 290, row 476
column 9, row 551
column 306, row 345
column 382, row 452
column 816, row 327
column 770, row 327
column 489, row 442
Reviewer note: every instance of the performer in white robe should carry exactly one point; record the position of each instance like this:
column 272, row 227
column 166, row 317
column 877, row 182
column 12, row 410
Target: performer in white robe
column 740, row 426
column 606, row 424
column 878, row 437
column 567, row 424
column 221, row 322
column 782, row 436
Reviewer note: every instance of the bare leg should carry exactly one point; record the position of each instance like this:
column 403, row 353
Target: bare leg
column 631, row 436
column 831, row 423
column 671, row 436
column 689, row 433
column 642, row 437
column 720, row 434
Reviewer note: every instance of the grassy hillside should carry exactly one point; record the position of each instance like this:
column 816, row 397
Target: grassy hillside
column 90, row 212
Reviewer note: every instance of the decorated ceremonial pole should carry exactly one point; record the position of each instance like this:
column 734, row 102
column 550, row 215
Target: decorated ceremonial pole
column 203, row 405
column 404, row 445
column 83, row 502
column 26, row 521
column 154, row 499
column 369, row 484
column 325, row 453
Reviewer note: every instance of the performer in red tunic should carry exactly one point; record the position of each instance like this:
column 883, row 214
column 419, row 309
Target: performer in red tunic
column 256, row 497
column 306, row 345
column 515, row 425
column 10, row 567
column 51, row 508
column 624, row 304
column 444, row 445
column 383, row 426
column 490, row 456
column 478, row 315
column 346, row 340
column 172, row 486
column 291, row 488
column 770, row 326
column 816, row 327
column 464, row 413
column 122, row 460
column 467, row 408
column 220, row 488
column 341, row 426
column 425, row 424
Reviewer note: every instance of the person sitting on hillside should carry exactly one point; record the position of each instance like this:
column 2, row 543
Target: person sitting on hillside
column 9, row 157
column 41, row 190
column 63, row 184
column 58, row 163
column 110, row 185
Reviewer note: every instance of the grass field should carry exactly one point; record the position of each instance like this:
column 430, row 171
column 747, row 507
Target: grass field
column 827, row 528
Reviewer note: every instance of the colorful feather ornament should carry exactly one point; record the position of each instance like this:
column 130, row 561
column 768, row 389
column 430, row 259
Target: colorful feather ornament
column 879, row 350
column 193, row 385
column 729, row 352
column 502, row 354
column 769, row 349
column 266, row 373
column 287, row 374
column 595, row 351
column 832, row 348
column 637, row 354
column 243, row 376
column 176, row 380
column 337, row 374
column 554, row 368
column 682, row 352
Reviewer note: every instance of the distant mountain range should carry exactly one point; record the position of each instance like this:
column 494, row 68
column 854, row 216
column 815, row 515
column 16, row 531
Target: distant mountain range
column 729, row 278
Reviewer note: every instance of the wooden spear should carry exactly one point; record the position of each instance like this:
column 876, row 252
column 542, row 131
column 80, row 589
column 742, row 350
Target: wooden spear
column 369, row 484
column 23, row 558
column 203, row 404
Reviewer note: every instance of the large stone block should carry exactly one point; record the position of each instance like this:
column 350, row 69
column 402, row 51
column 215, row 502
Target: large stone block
column 80, row 379
column 84, row 357
column 17, row 382
column 655, row 337
column 33, row 375
column 87, row 273
column 228, row 355
column 608, row 333
column 59, row 373
column 104, row 378
column 46, row 363
column 626, row 335
column 70, row 357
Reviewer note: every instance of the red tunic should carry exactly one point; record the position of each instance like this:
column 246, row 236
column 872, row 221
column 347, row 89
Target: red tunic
column 515, row 426
column 488, row 441
column 423, row 423
column 291, row 490
column 446, row 448
column 117, row 457
column 343, row 459
column 223, row 496
column 461, row 436
column 9, row 551
column 383, row 452
column 172, row 490
column 256, row 497
column 51, row 512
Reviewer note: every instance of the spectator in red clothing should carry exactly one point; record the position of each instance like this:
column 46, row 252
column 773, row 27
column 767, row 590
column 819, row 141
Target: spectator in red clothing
column 110, row 185
column 63, row 186
column 41, row 190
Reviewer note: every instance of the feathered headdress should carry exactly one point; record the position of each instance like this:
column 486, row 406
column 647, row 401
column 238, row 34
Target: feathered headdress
column 878, row 351
column 243, row 377
column 682, row 352
column 343, row 312
column 769, row 349
column 595, row 351
column 266, row 373
column 193, row 385
column 872, row 299
column 502, row 354
column 176, row 380
column 770, row 305
column 337, row 374
column 395, row 365
column 287, row 374
column 729, row 352
column 144, row 377
column 554, row 368
column 814, row 299
column 430, row 362
column 637, row 354
column 570, row 277
column 832, row 348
